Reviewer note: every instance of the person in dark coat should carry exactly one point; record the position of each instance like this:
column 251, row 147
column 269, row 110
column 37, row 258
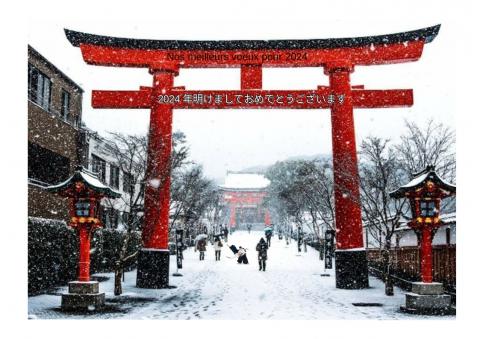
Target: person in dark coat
column 225, row 233
column 242, row 255
column 268, row 235
column 262, row 248
column 202, row 247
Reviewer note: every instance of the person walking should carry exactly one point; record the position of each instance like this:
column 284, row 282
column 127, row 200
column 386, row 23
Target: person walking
column 268, row 235
column 202, row 247
column 217, row 245
column 262, row 248
column 225, row 233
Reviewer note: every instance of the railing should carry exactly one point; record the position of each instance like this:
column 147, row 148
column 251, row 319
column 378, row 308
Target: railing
column 406, row 263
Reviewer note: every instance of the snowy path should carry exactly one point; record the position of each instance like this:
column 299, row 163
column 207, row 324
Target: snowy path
column 291, row 288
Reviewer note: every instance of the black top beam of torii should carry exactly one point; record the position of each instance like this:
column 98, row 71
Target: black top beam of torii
column 76, row 38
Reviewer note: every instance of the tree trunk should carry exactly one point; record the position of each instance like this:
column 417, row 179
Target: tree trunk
column 321, row 249
column 119, row 264
column 387, row 265
column 118, row 278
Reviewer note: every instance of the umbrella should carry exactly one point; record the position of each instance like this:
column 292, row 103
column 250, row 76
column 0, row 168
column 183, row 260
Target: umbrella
column 201, row 236
column 267, row 229
column 234, row 249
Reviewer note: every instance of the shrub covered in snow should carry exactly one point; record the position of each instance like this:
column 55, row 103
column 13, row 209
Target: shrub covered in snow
column 53, row 252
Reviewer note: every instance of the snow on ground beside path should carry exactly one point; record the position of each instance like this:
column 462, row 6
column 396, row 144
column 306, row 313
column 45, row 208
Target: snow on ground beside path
column 291, row 288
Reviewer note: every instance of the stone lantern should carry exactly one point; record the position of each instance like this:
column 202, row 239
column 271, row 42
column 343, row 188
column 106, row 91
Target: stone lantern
column 425, row 192
column 85, row 191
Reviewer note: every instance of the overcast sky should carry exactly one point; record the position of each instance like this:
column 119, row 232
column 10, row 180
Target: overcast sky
column 223, row 140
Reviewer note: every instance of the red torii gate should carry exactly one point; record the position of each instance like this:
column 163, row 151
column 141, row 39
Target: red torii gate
column 338, row 57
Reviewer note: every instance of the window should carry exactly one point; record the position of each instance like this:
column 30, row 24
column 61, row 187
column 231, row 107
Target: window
column 128, row 184
column 39, row 86
column 427, row 208
column 114, row 176
column 65, row 110
column 99, row 167
column 47, row 166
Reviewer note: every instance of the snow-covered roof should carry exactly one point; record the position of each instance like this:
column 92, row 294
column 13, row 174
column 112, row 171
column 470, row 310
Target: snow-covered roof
column 238, row 180
column 416, row 181
column 89, row 178
column 427, row 174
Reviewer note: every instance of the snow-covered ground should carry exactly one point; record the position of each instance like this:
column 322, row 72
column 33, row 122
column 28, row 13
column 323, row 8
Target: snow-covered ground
column 291, row 288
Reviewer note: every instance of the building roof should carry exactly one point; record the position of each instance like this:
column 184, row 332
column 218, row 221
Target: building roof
column 77, row 38
column 49, row 64
column 245, row 181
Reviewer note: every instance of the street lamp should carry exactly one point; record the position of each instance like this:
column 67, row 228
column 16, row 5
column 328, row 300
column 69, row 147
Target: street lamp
column 85, row 191
column 425, row 192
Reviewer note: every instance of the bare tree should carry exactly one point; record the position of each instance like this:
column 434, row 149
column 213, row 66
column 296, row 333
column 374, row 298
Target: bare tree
column 193, row 195
column 433, row 144
column 303, row 188
column 130, row 152
column 380, row 173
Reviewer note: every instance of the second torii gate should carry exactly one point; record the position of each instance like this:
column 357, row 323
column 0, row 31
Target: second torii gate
column 164, row 58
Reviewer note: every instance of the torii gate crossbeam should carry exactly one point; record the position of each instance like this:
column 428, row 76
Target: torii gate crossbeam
column 338, row 57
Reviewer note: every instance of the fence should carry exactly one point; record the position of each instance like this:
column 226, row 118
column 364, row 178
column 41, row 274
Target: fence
column 406, row 263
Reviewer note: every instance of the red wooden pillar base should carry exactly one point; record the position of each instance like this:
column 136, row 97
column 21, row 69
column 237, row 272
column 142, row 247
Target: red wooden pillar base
column 351, row 260
column 153, row 260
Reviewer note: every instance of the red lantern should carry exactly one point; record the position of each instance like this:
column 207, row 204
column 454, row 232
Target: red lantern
column 85, row 192
column 425, row 193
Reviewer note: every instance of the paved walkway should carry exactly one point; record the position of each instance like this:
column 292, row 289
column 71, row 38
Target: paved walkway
column 291, row 288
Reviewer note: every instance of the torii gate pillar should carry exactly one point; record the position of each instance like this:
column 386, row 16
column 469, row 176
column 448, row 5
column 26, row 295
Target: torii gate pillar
column 351, row 270
column 154, row 257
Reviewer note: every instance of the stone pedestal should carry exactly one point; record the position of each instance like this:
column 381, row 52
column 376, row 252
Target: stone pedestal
column 83, row 296
column 351, row 270
column 427, row 298
column 153, row 268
